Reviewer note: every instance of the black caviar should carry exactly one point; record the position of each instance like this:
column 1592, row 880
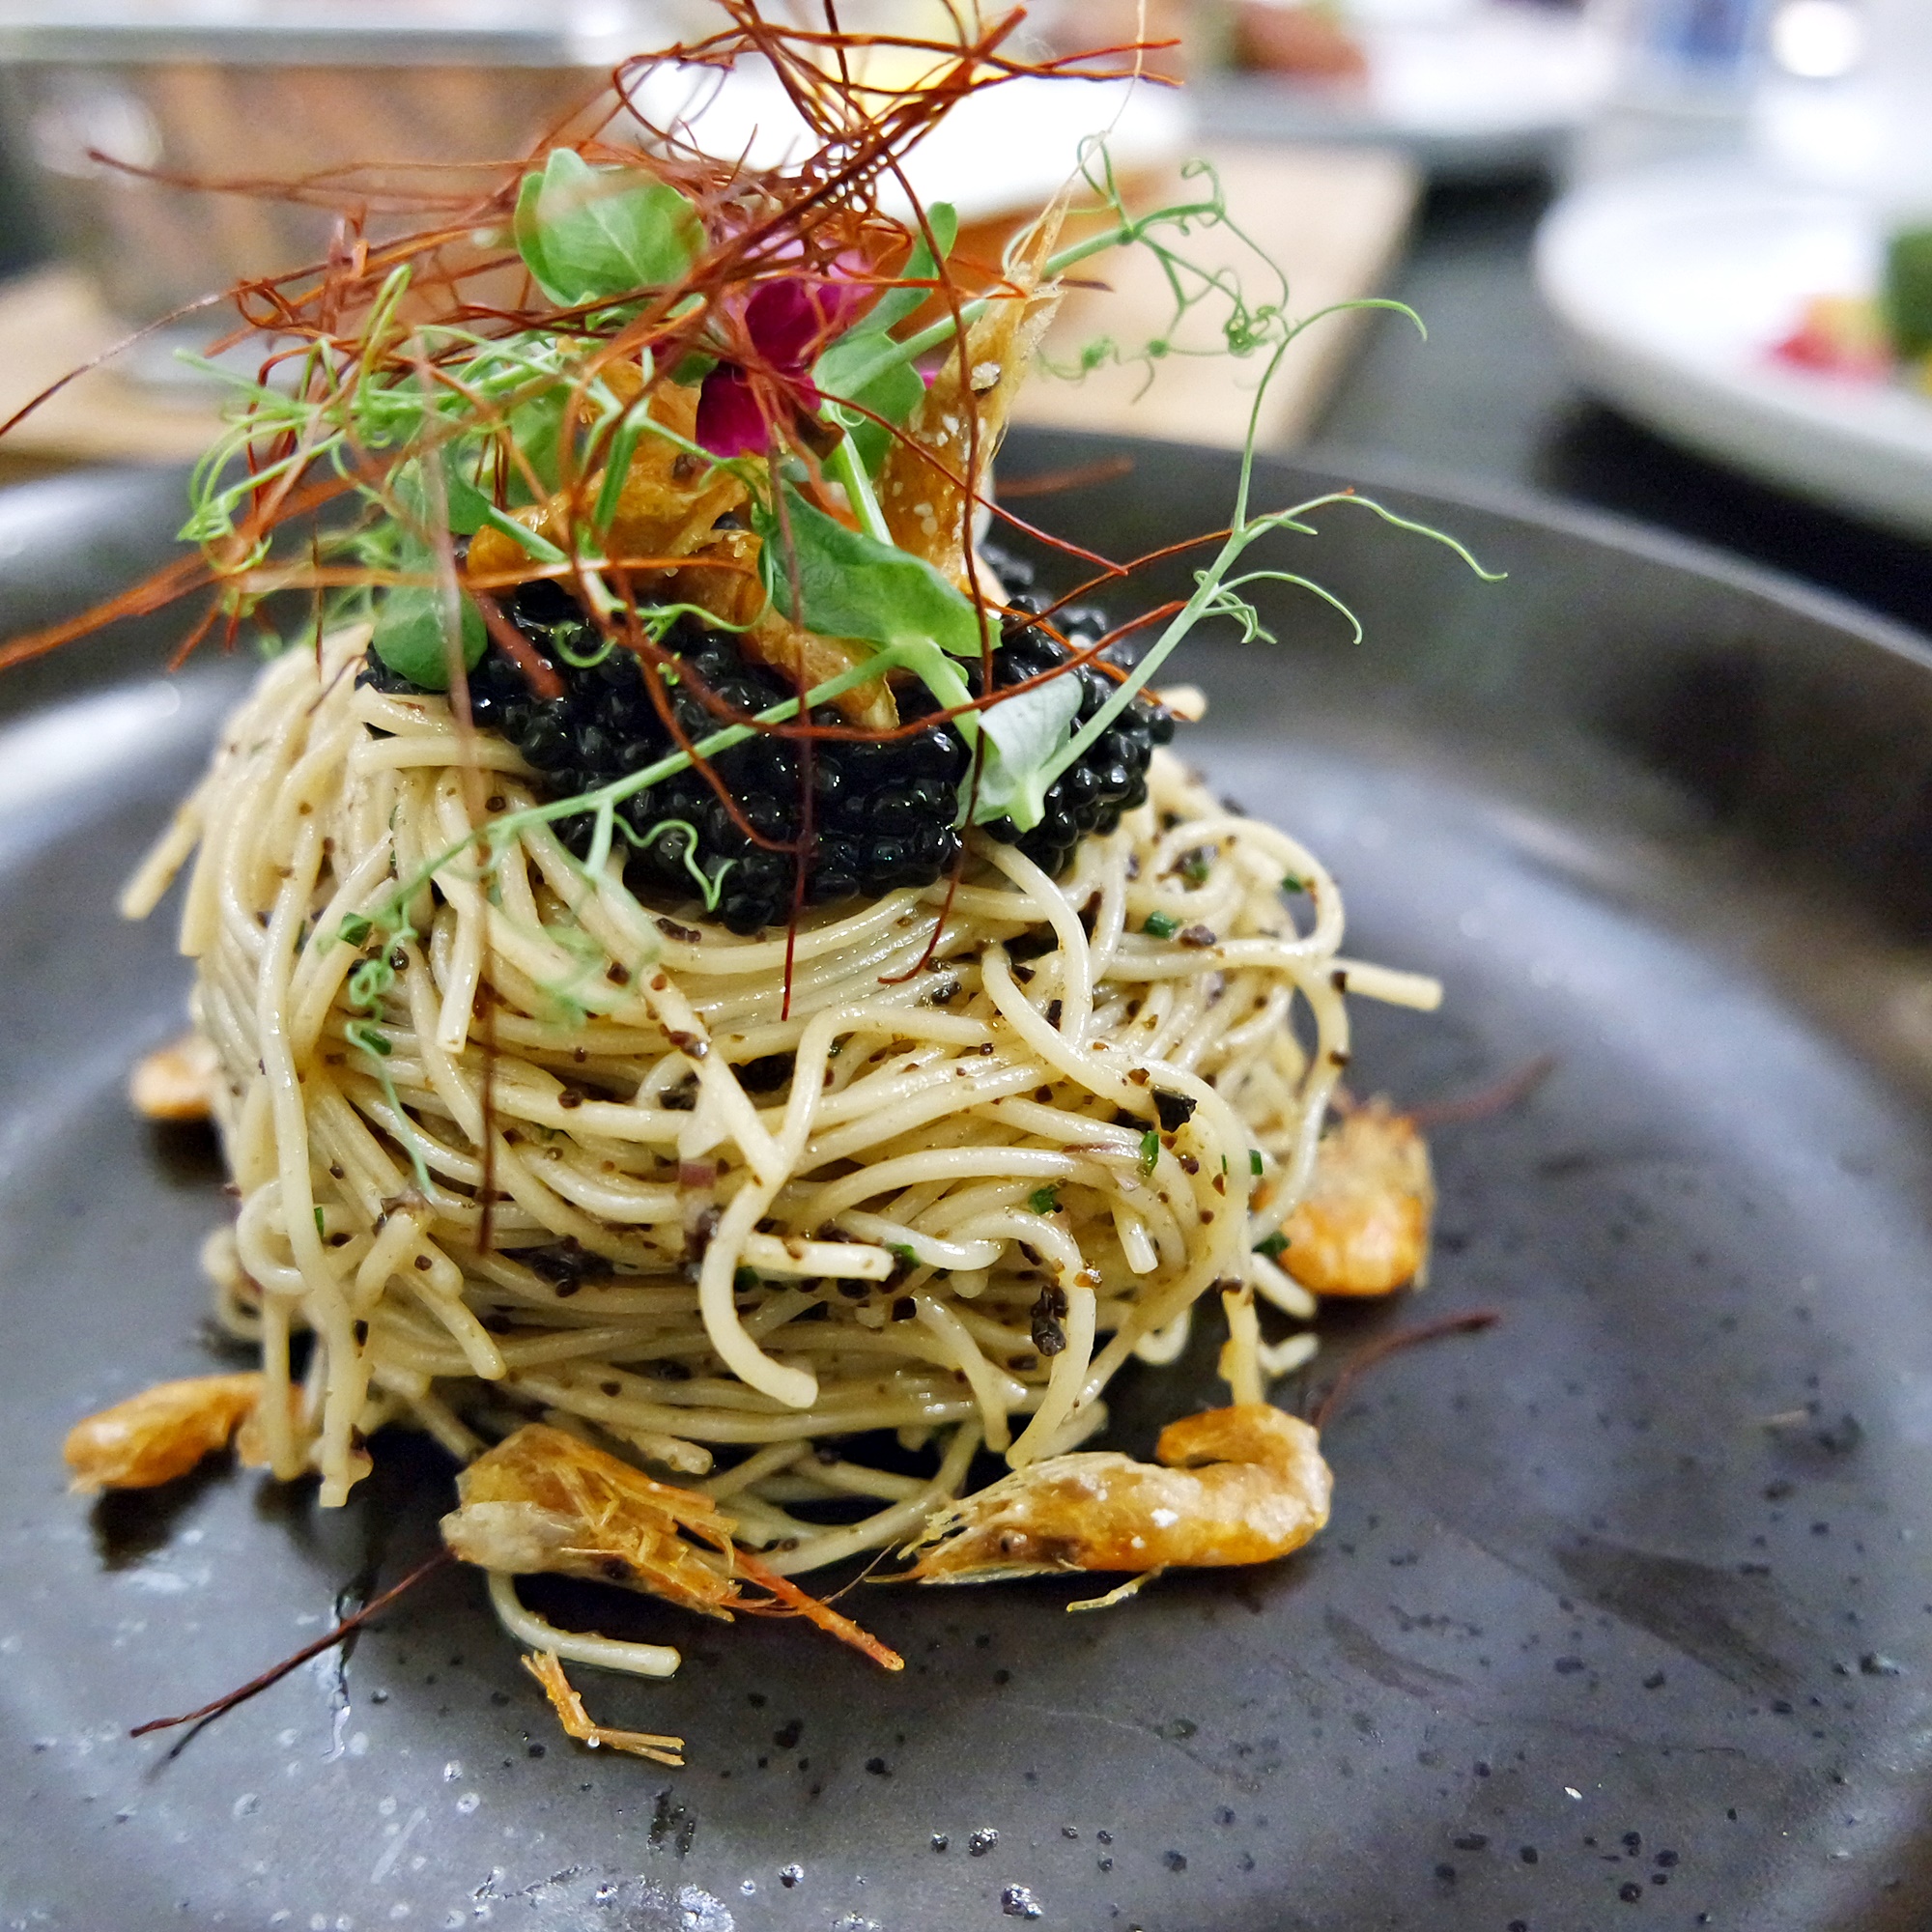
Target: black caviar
column 882, row 812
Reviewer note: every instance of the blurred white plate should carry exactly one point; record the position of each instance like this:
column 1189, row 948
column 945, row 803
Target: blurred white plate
column 1672, row 289
column 1468, row 92
column 1004, row 150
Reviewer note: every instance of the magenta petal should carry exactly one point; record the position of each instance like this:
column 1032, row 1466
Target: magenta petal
column 729, row 421
column 790, row 321
column 785, row 322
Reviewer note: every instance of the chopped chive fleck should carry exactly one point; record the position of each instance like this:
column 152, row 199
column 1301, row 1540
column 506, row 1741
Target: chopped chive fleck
column 368, row 1040
column 319, row 1228
column 902, row 1254
column 355, row 929
column 1273, row 1246
column 1150, row 1150
column 1160, row 927
column 1290, row 884
column 1044, row 1200
column 1255, row 1162
column 1197, row 865
column 744, row 1281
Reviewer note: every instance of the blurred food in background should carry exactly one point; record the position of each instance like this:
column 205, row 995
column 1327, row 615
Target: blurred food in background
column 124, row 111
column 130, row 110
column 1746, row 262
column 1307, row 38
column 1467, row 88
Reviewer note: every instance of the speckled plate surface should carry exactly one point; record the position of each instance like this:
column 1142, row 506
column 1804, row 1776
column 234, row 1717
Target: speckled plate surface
column 1625, row 1616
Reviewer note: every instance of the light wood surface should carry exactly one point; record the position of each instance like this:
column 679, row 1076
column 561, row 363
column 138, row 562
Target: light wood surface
column 51, row 323
column 1334, row 219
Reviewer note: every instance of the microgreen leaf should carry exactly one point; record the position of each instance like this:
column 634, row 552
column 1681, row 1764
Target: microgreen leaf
column 588, row 233
column 894, row 391
column 1022, row 733
column 360, row 1034
column 409, row 636
column 1150, row 1150
column 855, row 587
column 466, row 507
column 893, row 394
column 897, row 305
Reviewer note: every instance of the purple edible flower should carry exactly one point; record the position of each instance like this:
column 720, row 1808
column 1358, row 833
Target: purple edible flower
column 787, row 323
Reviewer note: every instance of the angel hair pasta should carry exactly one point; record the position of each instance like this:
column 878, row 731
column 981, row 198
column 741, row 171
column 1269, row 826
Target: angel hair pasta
column 724, row 1008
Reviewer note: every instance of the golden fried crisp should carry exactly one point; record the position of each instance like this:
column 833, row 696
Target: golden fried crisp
column 175, row 1082
column 1240, row 1484
column 1363, row 1227
column 932, row 482
column 160, row 1434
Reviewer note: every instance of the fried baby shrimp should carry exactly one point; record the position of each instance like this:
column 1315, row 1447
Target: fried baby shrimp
column 175, row 1082
column 1240, row 1484
column 544, row 1500
column 1362, row 1228
column 160, row 1434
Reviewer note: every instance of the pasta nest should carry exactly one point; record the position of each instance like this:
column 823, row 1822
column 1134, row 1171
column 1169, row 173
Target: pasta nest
column 509, row 1141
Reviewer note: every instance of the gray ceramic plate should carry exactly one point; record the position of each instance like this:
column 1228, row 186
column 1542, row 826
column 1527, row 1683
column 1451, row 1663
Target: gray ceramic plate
column 1626, row 1613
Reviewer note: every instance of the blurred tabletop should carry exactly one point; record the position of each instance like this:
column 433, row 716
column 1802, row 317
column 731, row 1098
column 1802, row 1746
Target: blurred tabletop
column 1488, row 401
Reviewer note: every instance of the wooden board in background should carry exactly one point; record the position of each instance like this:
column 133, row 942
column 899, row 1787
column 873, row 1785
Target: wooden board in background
column 50, row 324
column 1334, row 219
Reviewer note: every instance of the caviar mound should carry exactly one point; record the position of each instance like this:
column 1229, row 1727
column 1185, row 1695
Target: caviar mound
column 882, row 812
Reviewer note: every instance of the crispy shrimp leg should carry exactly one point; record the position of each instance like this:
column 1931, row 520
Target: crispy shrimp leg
column 547, row 1668
column 1240, row 1484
